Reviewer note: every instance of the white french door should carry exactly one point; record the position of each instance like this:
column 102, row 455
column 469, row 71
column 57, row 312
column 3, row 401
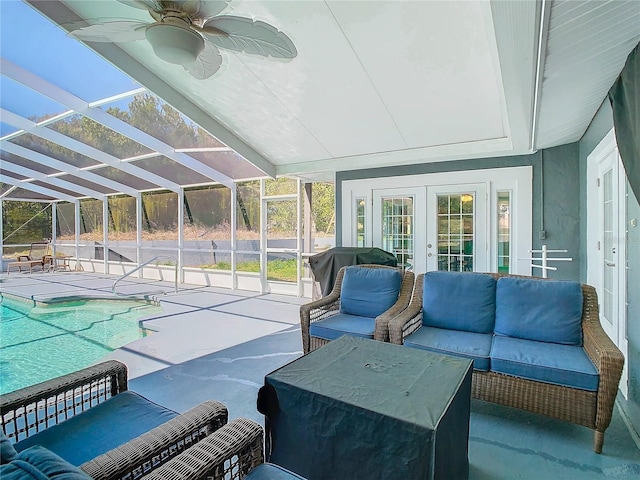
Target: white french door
column 607, row 242
column 457, row 228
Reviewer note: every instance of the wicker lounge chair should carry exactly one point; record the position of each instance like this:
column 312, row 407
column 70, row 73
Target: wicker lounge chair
column 30, row 411
column 330, row 306
column 38, row 257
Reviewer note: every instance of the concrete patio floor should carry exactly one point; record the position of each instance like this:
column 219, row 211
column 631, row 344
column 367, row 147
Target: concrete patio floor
column 214, row 343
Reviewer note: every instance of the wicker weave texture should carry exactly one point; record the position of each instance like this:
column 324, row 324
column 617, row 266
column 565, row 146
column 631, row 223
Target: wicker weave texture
column 27, row 411
column 330, row 305
column 590, row 409
column 149, row 451
column 230, row 454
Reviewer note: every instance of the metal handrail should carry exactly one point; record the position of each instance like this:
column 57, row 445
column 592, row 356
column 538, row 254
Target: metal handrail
column 139, row 267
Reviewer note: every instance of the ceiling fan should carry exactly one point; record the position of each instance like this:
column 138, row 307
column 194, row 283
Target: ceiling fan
column 189, row 33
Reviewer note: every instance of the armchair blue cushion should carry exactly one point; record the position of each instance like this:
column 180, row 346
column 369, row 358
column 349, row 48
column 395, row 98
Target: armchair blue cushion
column 459, row 301
column 540, row 310
column 369, row 292
column 343, row 324
column 122, row 418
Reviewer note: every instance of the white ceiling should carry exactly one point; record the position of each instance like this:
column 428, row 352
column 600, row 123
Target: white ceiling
column 379, row 83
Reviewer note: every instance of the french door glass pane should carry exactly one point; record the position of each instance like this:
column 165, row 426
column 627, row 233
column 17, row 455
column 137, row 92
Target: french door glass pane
column 397, row 228
column 455, row 232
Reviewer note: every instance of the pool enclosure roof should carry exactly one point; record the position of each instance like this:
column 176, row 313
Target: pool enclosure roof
column 372, row 84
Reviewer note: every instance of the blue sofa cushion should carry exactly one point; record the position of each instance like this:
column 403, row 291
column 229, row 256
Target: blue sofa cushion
column 459, row 301
column 566, row 365
column 369, row 292
column 474, row 346
column 343, row 324
column 7, row 452
column 271, row 471
column 541, row 310
column 101, row 428
column 38, row 463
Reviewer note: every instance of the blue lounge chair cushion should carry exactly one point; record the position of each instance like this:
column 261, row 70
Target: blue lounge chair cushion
column 7, row 452
column 38, row 463
column 271, row 471
column 540, row 310
column 459, row 301
column 343, row 324
column 369, row 292
column 471, row 345
column 81, row 438
column 566, row 365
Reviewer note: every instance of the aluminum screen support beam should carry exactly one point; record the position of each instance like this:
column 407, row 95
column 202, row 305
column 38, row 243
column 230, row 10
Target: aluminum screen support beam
column 234, row 243
column 65, row 167
column 38, row 189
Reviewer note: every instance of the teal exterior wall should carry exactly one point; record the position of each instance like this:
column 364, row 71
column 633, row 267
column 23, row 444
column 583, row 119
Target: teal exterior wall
column 559, row 208
column 556, row 194
column 601, row 124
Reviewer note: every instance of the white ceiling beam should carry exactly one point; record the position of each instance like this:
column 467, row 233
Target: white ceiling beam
column 57, row 182
column 67, row 99
column 17, row 121
column 66, row 168
column 37, row 188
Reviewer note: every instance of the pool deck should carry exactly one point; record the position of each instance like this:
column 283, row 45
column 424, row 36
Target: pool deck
column 216, row 343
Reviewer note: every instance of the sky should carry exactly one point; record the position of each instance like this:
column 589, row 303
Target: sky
column 33, row 42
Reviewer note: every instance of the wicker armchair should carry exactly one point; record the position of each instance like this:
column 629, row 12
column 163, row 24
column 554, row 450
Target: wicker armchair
column 28, row 411
column 329, row 306
column 592, row 409
column 234, row 452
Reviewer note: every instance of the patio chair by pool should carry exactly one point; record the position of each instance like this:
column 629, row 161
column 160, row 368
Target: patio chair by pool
column 91, row 420
column 38, row 257
column 363, row 301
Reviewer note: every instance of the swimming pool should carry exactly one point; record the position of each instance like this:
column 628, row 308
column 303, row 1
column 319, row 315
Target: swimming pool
column 44, row 341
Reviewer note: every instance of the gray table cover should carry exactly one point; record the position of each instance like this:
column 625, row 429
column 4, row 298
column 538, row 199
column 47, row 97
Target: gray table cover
column 358, row 408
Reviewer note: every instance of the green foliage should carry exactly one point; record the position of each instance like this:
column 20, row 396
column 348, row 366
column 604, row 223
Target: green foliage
column 277, row 270
column 25, row 222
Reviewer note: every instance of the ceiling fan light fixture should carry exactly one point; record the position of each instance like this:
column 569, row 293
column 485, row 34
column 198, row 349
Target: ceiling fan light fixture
column 174, row 43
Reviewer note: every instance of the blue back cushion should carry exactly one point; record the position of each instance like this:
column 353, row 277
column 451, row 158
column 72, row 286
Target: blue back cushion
column 38, row 463
column 459, row 301
column 369, row 292
column 541, row 310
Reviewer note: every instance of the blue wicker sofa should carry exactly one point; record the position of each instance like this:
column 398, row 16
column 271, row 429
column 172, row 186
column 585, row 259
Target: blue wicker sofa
column 536, row 344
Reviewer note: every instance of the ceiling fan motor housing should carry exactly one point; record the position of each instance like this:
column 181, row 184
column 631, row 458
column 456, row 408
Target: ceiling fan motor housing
column 174, row 42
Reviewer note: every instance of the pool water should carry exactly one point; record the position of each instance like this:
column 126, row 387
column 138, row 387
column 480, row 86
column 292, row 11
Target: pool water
column 42, row 342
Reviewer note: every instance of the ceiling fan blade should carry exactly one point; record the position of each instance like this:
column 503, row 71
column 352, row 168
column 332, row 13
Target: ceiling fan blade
column 111, row 31
column 208, row 63
column 249, row 36
column 151, row 5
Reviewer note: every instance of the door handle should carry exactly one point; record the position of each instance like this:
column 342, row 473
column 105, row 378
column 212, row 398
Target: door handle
column 609, row 264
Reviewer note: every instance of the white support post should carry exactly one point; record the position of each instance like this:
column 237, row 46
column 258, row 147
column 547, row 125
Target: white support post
column 234, row 227
column 139, row 232
column 77, row 233
column 105, row 234
column 263, row 238
column 180, row 233
column 54, row 228
column 299, row 237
